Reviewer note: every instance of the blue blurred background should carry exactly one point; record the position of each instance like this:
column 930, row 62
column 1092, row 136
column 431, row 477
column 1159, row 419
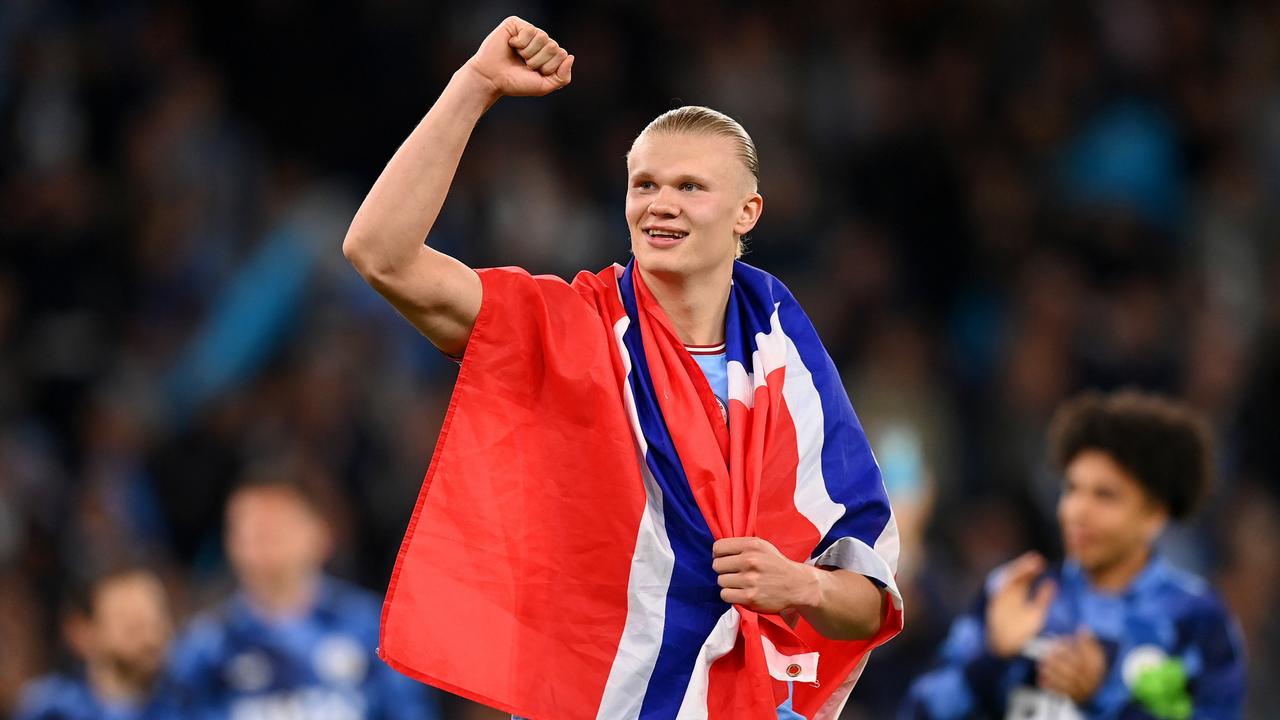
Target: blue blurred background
column 984, row 206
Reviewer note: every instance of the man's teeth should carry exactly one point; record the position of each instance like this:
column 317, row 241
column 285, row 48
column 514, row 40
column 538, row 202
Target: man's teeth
column 664, row 233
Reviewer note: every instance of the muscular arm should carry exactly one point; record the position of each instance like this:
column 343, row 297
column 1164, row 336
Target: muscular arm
column 438, row 294
column 435, row 292
column 843, row 605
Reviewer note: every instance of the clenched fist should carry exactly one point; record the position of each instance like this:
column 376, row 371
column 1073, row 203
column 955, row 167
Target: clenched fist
column 754, row 574
column 520, row 59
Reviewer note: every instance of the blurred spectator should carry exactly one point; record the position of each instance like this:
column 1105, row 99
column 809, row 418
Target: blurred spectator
column 292, row 643
column 119, row 624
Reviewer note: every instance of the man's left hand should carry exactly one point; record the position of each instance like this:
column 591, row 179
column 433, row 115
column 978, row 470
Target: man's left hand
column 1074, row 666
column 755, row 575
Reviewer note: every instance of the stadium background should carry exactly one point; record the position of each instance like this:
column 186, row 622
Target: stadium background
column 984, row 207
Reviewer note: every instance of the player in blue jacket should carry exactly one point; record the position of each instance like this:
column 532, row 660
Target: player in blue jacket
column 292, row 643
column 1116, row 631
column 118, row 621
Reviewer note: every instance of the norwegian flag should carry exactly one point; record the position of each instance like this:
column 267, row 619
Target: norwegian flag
column 558, row 562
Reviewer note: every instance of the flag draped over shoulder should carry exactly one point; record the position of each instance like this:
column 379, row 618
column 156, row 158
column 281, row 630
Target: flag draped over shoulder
column 558, row 562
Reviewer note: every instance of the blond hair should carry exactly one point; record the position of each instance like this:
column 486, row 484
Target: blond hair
column 699, row 120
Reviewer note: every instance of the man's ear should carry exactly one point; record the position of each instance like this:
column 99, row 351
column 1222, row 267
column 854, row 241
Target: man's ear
column 749, row 213
column 1156, row 521
column 77, row 629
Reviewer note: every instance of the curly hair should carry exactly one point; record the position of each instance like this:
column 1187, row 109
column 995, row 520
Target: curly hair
column 1162, row 443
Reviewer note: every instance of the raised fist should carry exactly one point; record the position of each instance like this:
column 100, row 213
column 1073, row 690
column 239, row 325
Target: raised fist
column 520, row 59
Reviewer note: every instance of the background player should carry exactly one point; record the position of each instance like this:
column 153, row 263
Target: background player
column 119, row 624
column 293, row 642
column 1116, row 631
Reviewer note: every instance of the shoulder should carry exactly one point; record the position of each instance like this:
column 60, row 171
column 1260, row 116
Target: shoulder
column 513, row 292
column 1199, row 613
column 518, row 280
column 343, row 595
column 350, row 605
column 765, row 286
column 606, row 279
column 204, row 638
column 53, row 697
column 747, row 273
column 1185, row 593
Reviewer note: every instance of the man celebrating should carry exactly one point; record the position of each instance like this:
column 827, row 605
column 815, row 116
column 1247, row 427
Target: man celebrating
column 1117, row 632
column 651, row 497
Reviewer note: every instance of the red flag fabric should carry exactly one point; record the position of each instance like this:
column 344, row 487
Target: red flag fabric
column 557, row 563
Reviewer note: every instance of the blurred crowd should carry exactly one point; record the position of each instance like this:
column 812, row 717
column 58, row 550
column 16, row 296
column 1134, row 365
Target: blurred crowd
column 985, row 207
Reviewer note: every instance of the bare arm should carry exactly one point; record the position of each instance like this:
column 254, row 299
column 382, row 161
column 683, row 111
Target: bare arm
column 437, row 293
column 843, row 605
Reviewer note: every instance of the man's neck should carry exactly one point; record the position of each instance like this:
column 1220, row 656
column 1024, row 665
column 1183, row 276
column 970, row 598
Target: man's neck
column 113, row 686
column 1117, row 576
column 694, row 305
column 286, row 597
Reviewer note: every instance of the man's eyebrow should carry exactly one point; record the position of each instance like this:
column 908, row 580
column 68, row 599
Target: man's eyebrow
column 695, row 179
column 679, row 179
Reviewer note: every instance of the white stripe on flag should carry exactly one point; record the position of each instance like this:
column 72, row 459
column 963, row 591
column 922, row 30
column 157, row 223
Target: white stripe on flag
column 889, row 545
column 651, row 567
column 717, row 645
column 741, row 384
column 774, row 350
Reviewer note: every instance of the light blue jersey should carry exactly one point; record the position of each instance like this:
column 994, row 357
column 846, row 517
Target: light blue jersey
column 715, row 366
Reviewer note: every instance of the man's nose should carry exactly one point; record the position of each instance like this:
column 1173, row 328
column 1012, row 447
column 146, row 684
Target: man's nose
column 664, row 203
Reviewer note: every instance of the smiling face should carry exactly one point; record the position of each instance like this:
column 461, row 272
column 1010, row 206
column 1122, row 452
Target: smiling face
column 689, row 199
column 1107, row 518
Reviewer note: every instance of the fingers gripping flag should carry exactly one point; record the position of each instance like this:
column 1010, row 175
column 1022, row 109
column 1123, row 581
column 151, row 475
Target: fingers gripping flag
column 558, row 561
